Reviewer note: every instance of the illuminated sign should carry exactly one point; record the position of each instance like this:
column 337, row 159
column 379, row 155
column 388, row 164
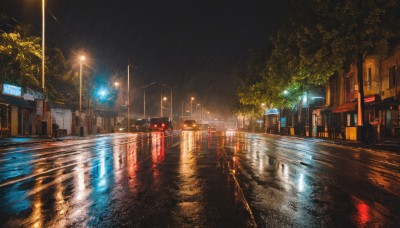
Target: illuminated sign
column 274, row 111
column 371, row 98
column 12, row 90
column 283, row 122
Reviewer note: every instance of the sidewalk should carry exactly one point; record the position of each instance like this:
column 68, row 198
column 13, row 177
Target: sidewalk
column 32, row 139
column 385, row 144
column 14, row 141
column 388, row 144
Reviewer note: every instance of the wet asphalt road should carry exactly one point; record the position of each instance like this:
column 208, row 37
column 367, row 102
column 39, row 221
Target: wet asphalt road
column 195, row 179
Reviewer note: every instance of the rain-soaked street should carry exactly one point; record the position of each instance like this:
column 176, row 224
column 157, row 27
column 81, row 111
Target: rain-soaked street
column 195, row 179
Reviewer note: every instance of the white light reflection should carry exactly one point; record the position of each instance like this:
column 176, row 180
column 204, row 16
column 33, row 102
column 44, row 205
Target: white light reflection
column 261, row 166
column 102, row 173
column 80, row 179
column 301, row 183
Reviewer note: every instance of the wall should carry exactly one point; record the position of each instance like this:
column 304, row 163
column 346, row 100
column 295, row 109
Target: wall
column 371, row 86
column 63, row 117
column 392, row 60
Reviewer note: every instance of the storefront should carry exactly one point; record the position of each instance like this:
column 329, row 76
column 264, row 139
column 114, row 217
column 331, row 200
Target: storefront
column 389, row 112
column 271, row 117
column 17, row 114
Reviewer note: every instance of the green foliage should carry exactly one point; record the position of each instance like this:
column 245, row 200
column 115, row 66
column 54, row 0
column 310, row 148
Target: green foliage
column 319, row 40
column 246, row 78
column 21, row 65
column 20, row 60
column 61, row 82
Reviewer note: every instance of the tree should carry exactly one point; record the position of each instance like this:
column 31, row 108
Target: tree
column 244, row 79
column 61, row 82
column 314, row 44
column 20, row 60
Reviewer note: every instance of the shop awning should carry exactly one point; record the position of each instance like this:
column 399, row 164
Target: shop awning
column 346, row 107
column 3, row 102
column 16, row 101
column 326, row 110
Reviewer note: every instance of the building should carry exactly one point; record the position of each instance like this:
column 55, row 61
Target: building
column 17, row 112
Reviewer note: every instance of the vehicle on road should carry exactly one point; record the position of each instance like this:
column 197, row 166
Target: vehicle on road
column 161, row 124
column 141, row 125
column 189, row 125
column 119, row 128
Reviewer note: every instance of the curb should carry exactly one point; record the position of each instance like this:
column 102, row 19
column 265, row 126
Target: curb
column 374, row 146
column 2, row 145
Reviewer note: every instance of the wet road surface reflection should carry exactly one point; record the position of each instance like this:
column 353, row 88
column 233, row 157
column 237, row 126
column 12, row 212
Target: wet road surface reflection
column 302, row 183
column 198, row 179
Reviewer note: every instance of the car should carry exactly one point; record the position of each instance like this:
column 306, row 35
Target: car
column 119, row 128
column 141, row 125
column 161, row 124
column 189, row 125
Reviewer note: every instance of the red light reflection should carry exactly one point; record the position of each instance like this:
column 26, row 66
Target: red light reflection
column 362, row 215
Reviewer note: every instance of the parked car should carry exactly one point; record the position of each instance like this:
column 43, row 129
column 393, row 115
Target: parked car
column 161, row 124
column 119, row 128
column 189, row 125
column 141, row 125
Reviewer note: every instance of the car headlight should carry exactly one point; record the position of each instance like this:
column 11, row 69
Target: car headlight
column 121, row 129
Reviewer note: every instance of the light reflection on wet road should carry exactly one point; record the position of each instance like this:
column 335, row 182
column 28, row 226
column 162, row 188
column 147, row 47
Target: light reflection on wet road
column 186, row 179
column 295, row 182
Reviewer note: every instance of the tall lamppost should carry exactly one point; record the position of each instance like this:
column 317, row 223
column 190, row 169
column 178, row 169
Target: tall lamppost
column 43, row 43
column 144, row 98
column 161, row 104
column 43, row 62
column 191, row 107
column 82, row 58
column 171, row 87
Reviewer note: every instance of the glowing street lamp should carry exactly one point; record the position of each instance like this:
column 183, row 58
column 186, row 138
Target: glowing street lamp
column 81, row 59
column 191, row 107
column 171, row 87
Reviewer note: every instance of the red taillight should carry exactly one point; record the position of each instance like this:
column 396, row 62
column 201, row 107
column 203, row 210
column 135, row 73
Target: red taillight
column 155, row 125
column 163, row 125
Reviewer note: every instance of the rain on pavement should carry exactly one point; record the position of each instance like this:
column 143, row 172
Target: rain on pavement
column 196, row 179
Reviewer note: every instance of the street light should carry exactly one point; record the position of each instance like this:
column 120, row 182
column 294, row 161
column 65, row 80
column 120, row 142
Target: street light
column 191, row 107
column 43, row 60
column 161, row 104
column 144, row 97
column 82, row 58
column 171, row 99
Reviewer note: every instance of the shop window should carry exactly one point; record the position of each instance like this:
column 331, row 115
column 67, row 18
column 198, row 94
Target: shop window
column 392, row 77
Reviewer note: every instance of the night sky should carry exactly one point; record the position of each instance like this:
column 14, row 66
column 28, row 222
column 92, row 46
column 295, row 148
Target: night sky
column 193, row 45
